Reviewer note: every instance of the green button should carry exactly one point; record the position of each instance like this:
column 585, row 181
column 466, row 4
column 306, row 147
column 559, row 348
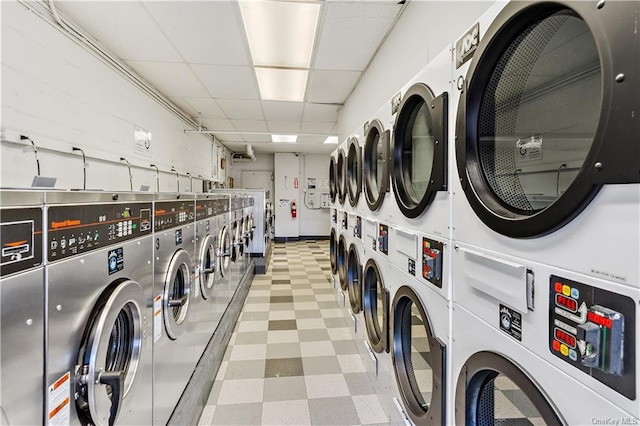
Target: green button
column 134, row 226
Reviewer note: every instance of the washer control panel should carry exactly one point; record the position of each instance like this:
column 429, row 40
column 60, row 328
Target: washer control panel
column 383, row 238
column 206, row 208
column 432, row 261
column 594, row 330
column 78, row 229
column 20, row 239
column 170, row 214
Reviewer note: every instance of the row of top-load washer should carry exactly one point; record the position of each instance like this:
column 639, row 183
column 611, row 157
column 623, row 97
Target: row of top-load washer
column 494, row 250
column 108, row 300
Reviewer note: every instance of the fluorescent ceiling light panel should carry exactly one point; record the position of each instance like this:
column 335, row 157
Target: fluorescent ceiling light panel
column 284, row 138
column 331, row 140
column 280, row 33
column 282, row 84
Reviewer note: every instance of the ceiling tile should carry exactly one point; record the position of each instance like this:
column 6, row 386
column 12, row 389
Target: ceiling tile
column 236, row 146
column 125, row 28
column 351, row 33
column 218, row 124
column 250, row 125
column 184, row 106
column 318, row 112
column 228, row 81
column 205, row 106
column 316, row 126
column 256, row 138
column 229, row 138
column 172, row 79
column 205, row 32
column 277, row 110
column 311, row 139
column 285, row 127
column 331, row 86
column 241, row 109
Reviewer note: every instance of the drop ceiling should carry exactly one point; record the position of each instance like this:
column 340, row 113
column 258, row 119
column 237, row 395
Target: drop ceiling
column 196, row 53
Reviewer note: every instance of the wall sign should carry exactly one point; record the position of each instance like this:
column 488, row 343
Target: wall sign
column 142, row 141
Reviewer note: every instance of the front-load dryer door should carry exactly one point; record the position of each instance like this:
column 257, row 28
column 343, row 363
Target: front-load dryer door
column 354, row 279
column 375, row 164
column 333, row 248
column 376, row 307
column 176, row 294
column 110, row 353
column 332, row 180
column 208, row 264
column 252, row 227
column 342, row 262
column 418, row 360
column 225, row 251
column 235, row 231
column 354, row 172
column 546, row 113
column 341, row 180
column 419, row 149
column 491, row 390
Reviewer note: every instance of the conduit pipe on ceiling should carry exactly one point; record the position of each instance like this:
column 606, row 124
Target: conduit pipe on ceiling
column 117, row 65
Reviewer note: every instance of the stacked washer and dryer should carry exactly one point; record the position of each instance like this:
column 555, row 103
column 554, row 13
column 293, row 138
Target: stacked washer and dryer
column 503, row 279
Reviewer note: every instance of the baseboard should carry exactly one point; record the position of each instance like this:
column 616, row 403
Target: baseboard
column 302, row 238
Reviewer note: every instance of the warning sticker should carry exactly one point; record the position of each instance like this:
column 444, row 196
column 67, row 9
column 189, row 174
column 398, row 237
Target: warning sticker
column 529, row 149
column 511, row 322
column 157, row 318
column 59, row 401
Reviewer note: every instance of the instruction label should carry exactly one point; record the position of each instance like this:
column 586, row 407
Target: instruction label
column 142, row 141
column 157, row 318
column 59, row 401
column 511, row 322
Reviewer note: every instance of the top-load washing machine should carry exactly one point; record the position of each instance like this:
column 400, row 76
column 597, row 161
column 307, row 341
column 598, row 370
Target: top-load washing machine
column 547, row 207
column 174, row 351
column 99, row 286
column 22, row 310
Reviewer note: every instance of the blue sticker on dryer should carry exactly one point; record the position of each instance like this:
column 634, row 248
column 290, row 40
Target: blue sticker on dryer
column 115, row 260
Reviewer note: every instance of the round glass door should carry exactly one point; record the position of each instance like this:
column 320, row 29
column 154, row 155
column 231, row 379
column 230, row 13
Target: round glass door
column 251, row 227
column 110, row 352
column 419, row 153
column 235, row 251
column 417, row 359
column 375, row 165
column 332, row 251
column 225, row 248
column 354, row 279
column 354, row 172
column 375, row 306
column 530, row 127
column 341, row 180
column 208, row 266
column 342, row 262
column 177, row 291
column 492, row 390
column 332, row 179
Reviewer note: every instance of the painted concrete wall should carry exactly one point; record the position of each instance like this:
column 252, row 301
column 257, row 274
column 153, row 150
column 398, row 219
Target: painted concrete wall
column 61, row 96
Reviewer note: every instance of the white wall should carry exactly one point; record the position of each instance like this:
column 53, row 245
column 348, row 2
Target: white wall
column 61, row 96
column 310, row 221
column 424, row 29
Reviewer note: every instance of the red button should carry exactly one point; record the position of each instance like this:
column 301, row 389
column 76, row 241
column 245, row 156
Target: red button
column 558, row 287
column 556, row 346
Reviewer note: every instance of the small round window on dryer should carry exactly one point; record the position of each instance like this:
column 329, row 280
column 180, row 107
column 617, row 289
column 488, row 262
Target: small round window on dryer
column 375, row 165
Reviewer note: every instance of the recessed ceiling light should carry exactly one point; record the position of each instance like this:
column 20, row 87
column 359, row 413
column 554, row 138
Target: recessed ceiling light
column 278, row 84
column 280, row 33
column 331, row 140
column 284, row 138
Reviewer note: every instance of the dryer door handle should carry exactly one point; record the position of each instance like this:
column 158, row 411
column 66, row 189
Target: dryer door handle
column 115, row 379
column 176, row 303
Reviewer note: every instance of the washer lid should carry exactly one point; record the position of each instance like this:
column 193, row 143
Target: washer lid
column 176, row 294
column 420, row 149
column 375, row 164
column 110, row 353
column 354, row 171
column 545, row 114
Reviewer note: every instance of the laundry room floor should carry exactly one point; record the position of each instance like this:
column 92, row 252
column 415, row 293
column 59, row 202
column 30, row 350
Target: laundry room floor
column 291, row 360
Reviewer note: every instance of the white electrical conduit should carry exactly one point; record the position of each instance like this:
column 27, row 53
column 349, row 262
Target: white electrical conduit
column 115, row 63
